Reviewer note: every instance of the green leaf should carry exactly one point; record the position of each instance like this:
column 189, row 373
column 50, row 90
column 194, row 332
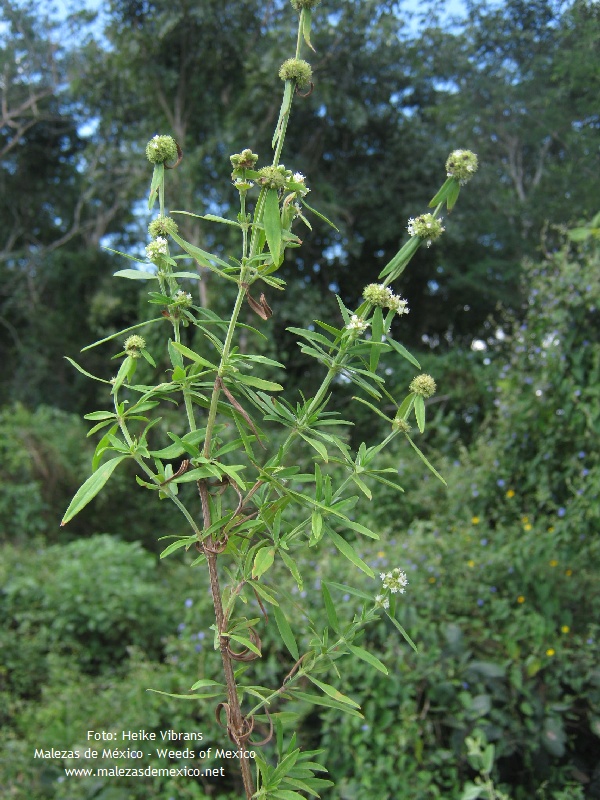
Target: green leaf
column 244, row 641
column 362, row 486
column 272, row 223
column 349, row 552
column 90, row 488
column 203, row 258
column 259, row 383
column 332, row 692
column 318, row 214
column 192, row 355
column 424, row 460
column 374, row 408
column 443, row 192
column 186, row 542
column 83, row 372
column 318, row 446
column 403, row 352
column 263, row 561
column 363, row 654
column 117, row 335
column 351, row 590
column 305, row 22
column 286, row 632
column 453, row 195
column 376, row 333
column 100, row 415
column 330, row 609
column 136, row 275
column 319, row 700
column 192, row 276
column 204, row 696
column 205, row 682
column 158, row 177
column 399, row 627
column 420, row 412
column 286, row 104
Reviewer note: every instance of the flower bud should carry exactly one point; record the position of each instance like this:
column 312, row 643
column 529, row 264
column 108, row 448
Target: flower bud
column 297, row 70
column 160, row 149
column 182, row 299
column 244, row 160
column 161, row 227
column 426, row 227
column 462, row 165
column 423, row 385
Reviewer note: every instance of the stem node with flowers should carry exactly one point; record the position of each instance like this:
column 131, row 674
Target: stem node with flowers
column 251, row 514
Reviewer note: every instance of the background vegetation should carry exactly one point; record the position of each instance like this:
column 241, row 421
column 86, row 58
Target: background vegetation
column 503, row 567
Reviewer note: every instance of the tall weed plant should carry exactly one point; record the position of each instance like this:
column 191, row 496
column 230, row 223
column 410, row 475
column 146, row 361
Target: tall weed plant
column 255, row 507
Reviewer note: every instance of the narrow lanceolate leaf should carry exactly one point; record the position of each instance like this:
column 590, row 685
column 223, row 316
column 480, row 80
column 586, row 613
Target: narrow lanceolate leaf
column 305, row 22
column 192, row 355
column 259, row 383
column 272, row 223
column 285, row 630
column 347, row 550
column 157, row 178
column 330, row 609
column 136, row 275
column 263, row 561
column 376, row 332
column 369, row 658
column 420, row 412
column 443, row 193
column 402, row 631
column 403, row 352
column 286, row 105
column 319, row 700
column 424, row 460
column 332, row 692
column 90, row 488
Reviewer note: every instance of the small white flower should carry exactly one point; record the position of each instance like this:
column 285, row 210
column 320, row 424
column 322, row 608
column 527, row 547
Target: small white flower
column 298, row 177
column 157, row 248
column 382, row 601
column 395, row 581
column 357, row 324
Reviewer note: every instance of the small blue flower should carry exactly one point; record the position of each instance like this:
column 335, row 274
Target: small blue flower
column 480, row 601
column 365, row 727
column 561, row 512
column 189, row 602
column 198, row 648
column 501, row 482
column 493, row 589
column 483, row 542
column 581, row 453
column 181, row 627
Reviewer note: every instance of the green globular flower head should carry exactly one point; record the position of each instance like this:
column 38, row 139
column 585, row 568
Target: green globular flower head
column 272, row 177
column 400, row 424
column 423, row 385
column 462, row 165
column 162, row 226
column 297, row 70
column 300, row 4
column 181, row 298
column 378, row 294
column 134, row 344
column 160, row 149
column 426, row 227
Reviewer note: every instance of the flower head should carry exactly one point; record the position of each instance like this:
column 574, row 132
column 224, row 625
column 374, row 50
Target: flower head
column 156, row 249
column 357, row 324
column 162, row 226
column 244, row 160
column 462, row 165
column 272, row 177
column 382, row 296
column 395, row 581
column 382, row 601
column 423, row 385
column 181, row 298
column 426, row 227
column 161, row 148
column 297, row 70
column 133, row 345
column 400, row 424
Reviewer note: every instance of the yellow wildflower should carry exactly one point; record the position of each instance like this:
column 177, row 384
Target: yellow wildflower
column 520, row 599
column 565, row 629
column 510, row 493
column 550, row 652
